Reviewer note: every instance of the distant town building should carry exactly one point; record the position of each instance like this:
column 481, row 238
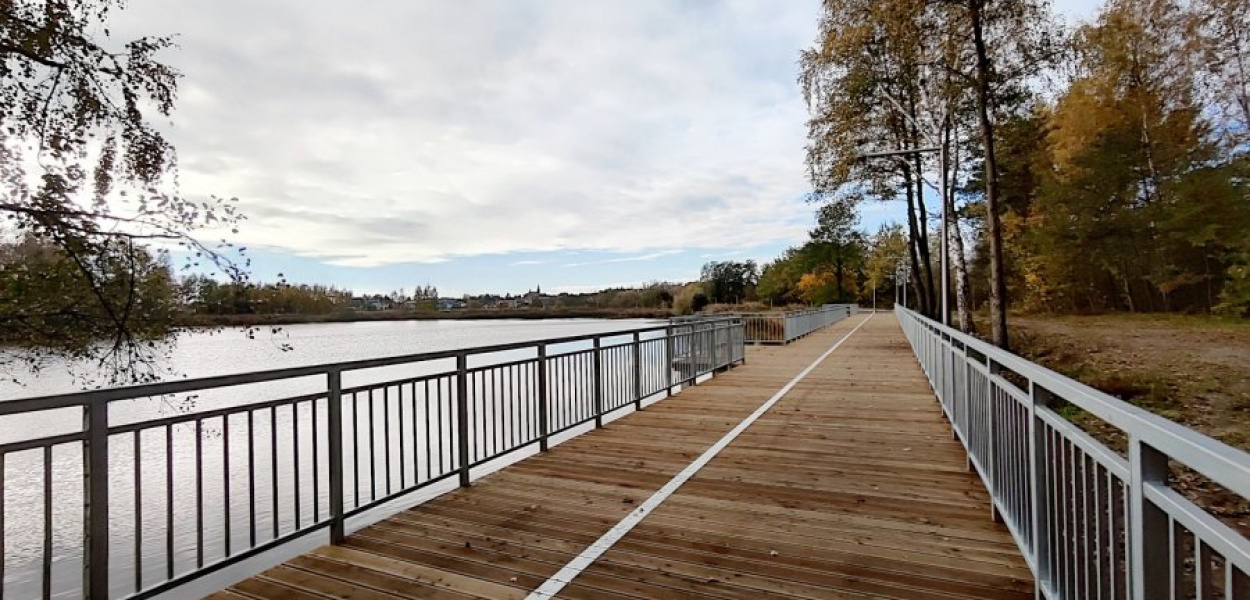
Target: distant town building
column 373, row 302
column 447, row 304
column 537, row 299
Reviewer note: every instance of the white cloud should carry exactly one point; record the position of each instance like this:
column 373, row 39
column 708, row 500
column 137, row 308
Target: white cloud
column 417, row 131
column 625, row 259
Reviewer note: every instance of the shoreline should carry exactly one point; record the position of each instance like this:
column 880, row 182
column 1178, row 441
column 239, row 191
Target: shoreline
column 209, row 321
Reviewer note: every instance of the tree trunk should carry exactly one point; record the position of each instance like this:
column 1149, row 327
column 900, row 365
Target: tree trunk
column 913, row 240
column 998, row 278
column 963, row 293
column 926, row 258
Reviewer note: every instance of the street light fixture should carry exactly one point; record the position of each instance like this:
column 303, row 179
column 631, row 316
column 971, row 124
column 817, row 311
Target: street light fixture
column 901, row 274
column 940, row 149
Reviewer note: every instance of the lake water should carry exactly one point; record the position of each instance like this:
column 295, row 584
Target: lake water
column 183, row 508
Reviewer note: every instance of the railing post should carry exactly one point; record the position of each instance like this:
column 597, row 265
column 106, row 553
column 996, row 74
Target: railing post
column 598, row 395
column 715, row 361
column 742, row 342
column 1148, row 531
column 462, row 415
column 96, row 500
column 637, row 371
column 334, row 396
column 698, row 351
column 668, row 361
column 542, row 398
column 1038, row 488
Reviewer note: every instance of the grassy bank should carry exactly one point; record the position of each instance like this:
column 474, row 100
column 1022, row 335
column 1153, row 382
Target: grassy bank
column 409, row 315
column 1190, row 369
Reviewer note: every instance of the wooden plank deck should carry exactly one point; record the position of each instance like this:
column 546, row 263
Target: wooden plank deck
column 849, row 487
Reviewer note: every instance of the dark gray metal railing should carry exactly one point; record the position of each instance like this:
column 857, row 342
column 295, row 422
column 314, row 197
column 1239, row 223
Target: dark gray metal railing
column 188, row 493
column 783, row 327
column 1091, row 522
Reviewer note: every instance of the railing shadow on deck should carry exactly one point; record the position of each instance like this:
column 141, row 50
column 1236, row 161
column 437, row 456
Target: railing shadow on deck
column 186, row 494
column 1090, row 522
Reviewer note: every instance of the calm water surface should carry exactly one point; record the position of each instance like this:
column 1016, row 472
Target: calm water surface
column 163, row 501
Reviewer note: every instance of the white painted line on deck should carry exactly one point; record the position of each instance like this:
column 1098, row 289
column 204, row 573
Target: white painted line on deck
column 552, row 586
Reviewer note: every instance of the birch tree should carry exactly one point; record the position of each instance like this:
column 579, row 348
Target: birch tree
column 90, row 177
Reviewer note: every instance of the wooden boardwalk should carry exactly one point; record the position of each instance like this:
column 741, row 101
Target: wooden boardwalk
column 849, row 487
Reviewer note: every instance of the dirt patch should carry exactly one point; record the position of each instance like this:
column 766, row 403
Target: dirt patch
column 1192, row 370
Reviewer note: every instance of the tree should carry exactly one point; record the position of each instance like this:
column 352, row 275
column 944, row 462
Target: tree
column 690, row 299
column 863, row 86
column 1142, row 206
column 1219, row 34
column 837, row 244
column 78, row 106
column 1011, row 40
column 779, row 278
column 68, row 316
column 729, row 282
column 886, row 251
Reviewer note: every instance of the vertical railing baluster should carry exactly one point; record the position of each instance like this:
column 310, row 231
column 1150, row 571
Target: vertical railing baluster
column 1038, row 487
column 316, row 464
column 46, row 573
column 225, row 484
column 425, row 405
column 295, row 470
column 138, row 500
column 598, row 377
column 96, row 500
column 543, row 426
column 386, row 433
column 2, row 529
column 334, row 427
column 199, row 493
column 668, row 361
column 371, row 426
column 988, row 461
column 273, row 473
column 637, row 371
column 251, row 486
column 399, row 425
column 462, row 416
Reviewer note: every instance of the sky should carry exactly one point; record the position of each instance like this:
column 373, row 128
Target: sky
column 495, row 146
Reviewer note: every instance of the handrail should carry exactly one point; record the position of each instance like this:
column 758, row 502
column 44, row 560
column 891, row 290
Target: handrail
column 1090, row 522
column 784, row 326
column 263, row 473
column 20, row 405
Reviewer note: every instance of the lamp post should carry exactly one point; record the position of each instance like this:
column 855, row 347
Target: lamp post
column 941, row 152
column 940, row 148
column 900, row 275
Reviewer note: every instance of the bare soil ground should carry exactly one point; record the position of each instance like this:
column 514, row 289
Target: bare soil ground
column 1192, row 370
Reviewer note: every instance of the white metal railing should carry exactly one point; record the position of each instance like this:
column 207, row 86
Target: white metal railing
column 257, row 460
column 1091, row 522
